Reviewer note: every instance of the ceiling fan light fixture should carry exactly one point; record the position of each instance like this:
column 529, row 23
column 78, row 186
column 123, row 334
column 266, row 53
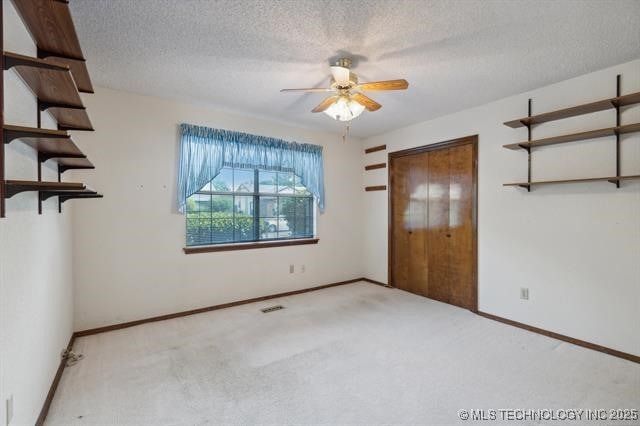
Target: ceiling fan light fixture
column 344, row 109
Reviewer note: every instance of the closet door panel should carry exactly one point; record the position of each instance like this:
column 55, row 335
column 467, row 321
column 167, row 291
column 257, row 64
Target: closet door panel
column 439, row 256
column 416, row 224
column 461, row 227
column 400, row 237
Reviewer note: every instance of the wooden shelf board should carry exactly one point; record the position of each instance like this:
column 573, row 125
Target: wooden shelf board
column 612, row 179
column 54, row 87
column 52, row 143
column 592, row 134
column 71, row 118
column 13, row 187
column 15, row 60
column 78, row 70
column 602, row 105
column 74, row 163
column 52, row 29
column 375, row 149
column 21, row 132
column 376, row 188
column 375, row 166
column 53, row 84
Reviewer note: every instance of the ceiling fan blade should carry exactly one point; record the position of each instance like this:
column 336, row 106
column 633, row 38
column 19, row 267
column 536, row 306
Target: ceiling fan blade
column 325, row 104
column 311, row 89
column 385, row 85
column 340, row 75
column 366, row 102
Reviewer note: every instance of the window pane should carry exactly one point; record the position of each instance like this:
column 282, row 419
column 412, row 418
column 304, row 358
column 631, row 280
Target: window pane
column 296, row 210
column 267, row 182
column 268, row 206
column 268, row 227
column 243, row 219
column 284, row 231
column 222, row 204
column 243, row 228
column 192, row 231
column 198, row 203
column 224, row 181
column 243, row 205
column 304, row 213
column 243, row 180
column 308, row 223
column 222, row 218
column 285, row 183
column 198, row 231
column 287, row 213
column 201, row 202
column 222, row 230
column 300, row 188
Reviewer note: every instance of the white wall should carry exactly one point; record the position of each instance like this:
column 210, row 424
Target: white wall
column 36, row 301
column 577, row 246
column 128, row 258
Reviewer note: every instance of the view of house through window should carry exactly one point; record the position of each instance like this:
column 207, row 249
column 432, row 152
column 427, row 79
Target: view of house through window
column 243, row 205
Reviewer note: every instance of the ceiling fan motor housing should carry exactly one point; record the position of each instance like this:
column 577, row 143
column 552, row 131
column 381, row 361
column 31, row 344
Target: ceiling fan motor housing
column 344, row 63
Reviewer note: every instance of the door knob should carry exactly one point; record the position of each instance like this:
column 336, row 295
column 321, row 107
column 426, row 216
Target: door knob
column 448, row 235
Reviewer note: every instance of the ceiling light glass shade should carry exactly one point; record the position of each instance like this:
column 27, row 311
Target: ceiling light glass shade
column 344, row 109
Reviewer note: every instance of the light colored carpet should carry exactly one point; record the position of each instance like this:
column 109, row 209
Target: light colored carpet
column 355, row 354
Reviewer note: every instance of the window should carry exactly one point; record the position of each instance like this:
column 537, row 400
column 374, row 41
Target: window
column 249, row 205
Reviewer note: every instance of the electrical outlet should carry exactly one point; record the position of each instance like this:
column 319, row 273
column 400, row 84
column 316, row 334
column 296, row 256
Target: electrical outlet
column 291, row 269
column 9, row 409
column 303, row 268
column 524, row 293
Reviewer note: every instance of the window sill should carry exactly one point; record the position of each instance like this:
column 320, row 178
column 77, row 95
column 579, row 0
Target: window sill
column 249, row 246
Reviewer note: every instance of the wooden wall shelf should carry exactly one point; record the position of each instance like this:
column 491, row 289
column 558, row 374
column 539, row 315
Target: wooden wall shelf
column 13, row 187
column 51, row 25
column 56, row 77
column 602, row 105
column 616, row 102
column 376, row 188
column 21, row 132
column 375, row 166
column 375, row 149
column 592, row 134
column 48, row 143
column 16, row 60
column 611, row 179
column 54, row 87
column 69, row 118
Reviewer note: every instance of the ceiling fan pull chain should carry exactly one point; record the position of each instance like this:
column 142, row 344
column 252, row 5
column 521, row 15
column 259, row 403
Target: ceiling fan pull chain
column 345, row 133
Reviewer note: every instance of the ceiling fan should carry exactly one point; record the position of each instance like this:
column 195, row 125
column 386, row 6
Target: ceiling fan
column 348, row 102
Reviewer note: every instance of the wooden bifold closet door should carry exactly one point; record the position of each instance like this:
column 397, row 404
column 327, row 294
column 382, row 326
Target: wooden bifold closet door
column 432, row 233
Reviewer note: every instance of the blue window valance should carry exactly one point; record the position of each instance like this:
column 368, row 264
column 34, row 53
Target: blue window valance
column 205, row 151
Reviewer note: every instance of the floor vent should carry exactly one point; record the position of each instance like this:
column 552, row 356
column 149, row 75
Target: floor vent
column 272, row 308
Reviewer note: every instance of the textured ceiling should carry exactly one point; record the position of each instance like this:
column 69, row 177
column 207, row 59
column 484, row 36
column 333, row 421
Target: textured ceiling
column 455, row 54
